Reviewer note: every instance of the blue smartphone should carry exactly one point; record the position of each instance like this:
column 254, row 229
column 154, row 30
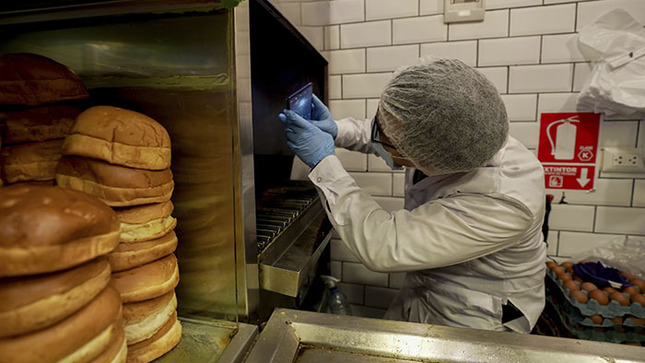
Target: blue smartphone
column 300, row 101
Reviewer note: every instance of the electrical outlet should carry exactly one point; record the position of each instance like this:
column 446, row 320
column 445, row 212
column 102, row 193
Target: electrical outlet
column 623, row 160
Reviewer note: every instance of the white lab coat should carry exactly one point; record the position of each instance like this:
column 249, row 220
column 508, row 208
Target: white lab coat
column 469, row 242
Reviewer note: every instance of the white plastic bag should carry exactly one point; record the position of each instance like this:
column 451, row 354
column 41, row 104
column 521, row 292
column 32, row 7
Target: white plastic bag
column 615, row 45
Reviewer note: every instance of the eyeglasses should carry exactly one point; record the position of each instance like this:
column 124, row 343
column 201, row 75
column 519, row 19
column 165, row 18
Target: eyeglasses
column 376, row 135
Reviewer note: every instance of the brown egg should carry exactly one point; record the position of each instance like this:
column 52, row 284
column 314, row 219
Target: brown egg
column 568, row 266
column 639, row 298
column 620, row 298
column 551, row 264
column 557, row 270
column 637, row 321
column 631, row 290
column 638, row 282
column 617, row 320
column 627, row 275
column 578, row 278
column 588, row 286
column 596, row 319
column 609, row 290
column 599, row 296
column 571, row 285
column 564, row 277
column 579, row 295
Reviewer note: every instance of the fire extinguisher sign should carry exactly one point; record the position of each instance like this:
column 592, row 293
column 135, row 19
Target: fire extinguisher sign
column 568, row 148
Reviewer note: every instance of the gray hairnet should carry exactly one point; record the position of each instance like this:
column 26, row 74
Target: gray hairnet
column 444, row 116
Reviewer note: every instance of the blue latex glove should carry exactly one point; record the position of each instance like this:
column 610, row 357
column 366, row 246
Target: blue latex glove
column 321, row 117
column 307, row 141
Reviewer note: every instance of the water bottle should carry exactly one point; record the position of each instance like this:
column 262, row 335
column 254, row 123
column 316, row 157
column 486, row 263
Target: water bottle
column 337, row 302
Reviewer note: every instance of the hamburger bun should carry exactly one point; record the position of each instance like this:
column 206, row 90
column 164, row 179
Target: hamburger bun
column 144, row 213
column 45, row 229
column 146, row 222
column 29, row 303
column 130, row 255
column 120, row 137
column 147, row 281
column 117, row 186
column 32, row 161
column 39, row 124
column 156, row 228
column 81, row 337
column 117, row 351
column 31, row 79
column 157, row 345
column 143, row 319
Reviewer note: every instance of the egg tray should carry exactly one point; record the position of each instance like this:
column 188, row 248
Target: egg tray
column 577, row 319
column 592, row 307
column 614, row 334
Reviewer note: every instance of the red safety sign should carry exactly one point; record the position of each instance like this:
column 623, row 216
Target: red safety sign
column 568, row 148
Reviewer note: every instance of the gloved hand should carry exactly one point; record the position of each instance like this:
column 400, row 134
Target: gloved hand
column 306, row 140
column 321, row 117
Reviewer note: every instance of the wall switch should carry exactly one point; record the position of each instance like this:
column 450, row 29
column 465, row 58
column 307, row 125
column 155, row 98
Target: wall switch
column 455, row 11
column 623, row 160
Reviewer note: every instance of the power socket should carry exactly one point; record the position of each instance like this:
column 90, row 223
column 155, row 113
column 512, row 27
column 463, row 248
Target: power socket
column 623, row 160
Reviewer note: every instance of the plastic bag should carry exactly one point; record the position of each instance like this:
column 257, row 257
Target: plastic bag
column 615, row 45
column 623, row 253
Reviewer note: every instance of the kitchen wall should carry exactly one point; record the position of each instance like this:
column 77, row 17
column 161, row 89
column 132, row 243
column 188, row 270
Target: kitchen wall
column 527, row 48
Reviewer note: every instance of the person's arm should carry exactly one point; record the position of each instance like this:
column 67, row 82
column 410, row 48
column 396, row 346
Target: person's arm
column 439, row 233
column 354, row 135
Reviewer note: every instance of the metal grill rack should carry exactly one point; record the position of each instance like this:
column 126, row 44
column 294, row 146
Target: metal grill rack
column 278, row 207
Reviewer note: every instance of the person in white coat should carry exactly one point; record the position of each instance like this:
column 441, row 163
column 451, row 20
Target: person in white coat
column 469, row 237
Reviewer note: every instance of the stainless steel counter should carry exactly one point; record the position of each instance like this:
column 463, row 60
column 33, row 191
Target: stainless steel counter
column 299, row 336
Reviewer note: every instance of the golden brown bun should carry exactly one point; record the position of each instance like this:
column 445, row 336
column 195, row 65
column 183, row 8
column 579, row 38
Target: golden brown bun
column 159, row 344
column 143, row 319
column 120, row 137
column 31, row 161
column 117, row 352
column 39, row 124
column 117, row 186
column 34, row 302
column 144, row 213
column 31, row 79
column 156, row 228
column 85, row 334
column 46, row 229
column 148, row 281
column 130, row 255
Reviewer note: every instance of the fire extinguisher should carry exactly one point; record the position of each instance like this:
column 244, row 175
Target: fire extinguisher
column 563, row 147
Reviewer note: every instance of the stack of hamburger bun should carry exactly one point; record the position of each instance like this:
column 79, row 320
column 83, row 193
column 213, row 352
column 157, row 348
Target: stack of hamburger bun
column 39, row 102
column 123, row 158
column 56, row 303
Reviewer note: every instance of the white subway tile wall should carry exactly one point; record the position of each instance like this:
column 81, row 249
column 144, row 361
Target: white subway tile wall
column 543, row 20
column 527, row 49
column 509, row 51
column 347, row 108
column 346, row 61
column 383, row 59
column 464, row 51
column 497, row 75
column 520, row 107
column 560, row 49
column 379, row 297
column 388, row 9
column 419, row 30
column 540, row 78
column 571, row 243
column 495, row 25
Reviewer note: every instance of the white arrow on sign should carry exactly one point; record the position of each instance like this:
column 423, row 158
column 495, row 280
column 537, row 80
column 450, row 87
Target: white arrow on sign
column 583, row 180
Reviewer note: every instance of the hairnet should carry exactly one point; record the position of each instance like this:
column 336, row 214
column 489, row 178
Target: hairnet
column 444, row 116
